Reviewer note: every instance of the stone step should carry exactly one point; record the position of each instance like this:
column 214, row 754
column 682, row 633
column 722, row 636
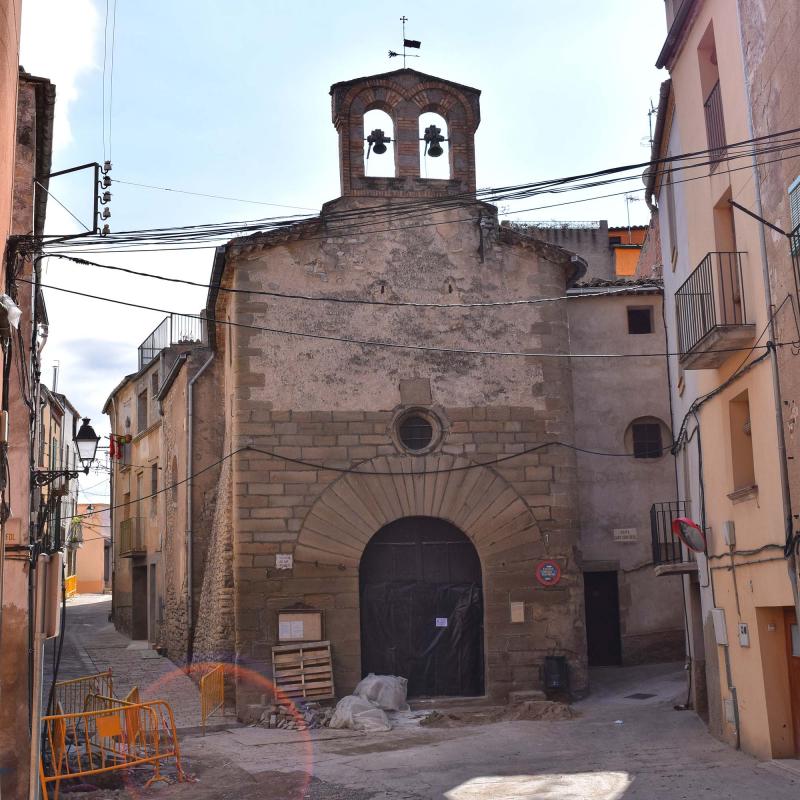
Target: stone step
column 525, row 694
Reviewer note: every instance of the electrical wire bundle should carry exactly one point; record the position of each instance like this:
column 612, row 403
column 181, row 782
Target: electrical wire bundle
column 369, row 219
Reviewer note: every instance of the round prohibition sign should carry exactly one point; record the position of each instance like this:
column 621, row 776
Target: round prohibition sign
column 548, row 573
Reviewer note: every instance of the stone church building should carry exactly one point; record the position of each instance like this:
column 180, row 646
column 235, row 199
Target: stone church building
column 386, row 463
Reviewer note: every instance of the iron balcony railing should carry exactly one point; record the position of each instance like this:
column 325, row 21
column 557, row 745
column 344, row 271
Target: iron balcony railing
column 715, row 126
column 666, row 546
column 174, row 329
column 712, row 297
column 131, row 538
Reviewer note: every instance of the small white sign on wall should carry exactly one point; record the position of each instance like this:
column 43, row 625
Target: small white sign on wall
column 284, row 561
column 626, row 535
column 441, row 622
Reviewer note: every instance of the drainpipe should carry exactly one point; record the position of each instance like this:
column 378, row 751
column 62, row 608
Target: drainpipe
column 776, row 381
column 189, row 534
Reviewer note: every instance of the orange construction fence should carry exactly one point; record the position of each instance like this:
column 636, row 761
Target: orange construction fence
column 110, row 735
column 212, row 693
column 72, row 694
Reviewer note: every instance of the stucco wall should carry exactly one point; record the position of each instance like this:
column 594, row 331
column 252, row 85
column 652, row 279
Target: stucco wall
column 618, row 492
column 759, row 517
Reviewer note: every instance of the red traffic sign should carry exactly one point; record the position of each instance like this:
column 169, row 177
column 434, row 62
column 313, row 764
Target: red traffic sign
column 548, row 573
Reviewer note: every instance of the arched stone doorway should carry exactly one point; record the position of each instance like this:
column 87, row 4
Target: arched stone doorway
column 421, row 600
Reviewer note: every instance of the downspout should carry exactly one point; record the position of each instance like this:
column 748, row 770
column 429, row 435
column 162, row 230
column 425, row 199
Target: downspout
column 189, row 533
column 776, row 381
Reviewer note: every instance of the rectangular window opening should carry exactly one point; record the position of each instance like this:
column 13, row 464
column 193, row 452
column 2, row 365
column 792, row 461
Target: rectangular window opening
column 640, row 319
column 744, row 474
column 647, row 440
column 141, row 411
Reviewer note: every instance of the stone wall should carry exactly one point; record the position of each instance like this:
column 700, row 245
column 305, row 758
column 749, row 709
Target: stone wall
column 335, row 404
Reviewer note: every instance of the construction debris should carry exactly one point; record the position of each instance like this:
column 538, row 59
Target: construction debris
column 529, row 710
column 301, row 716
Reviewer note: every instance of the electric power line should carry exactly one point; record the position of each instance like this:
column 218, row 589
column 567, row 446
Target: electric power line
column 348, row 300
column 369, row 342
column 188, row 233
column 177, row 238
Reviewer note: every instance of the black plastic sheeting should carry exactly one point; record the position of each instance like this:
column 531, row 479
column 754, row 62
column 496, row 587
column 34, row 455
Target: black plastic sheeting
column 400, row 636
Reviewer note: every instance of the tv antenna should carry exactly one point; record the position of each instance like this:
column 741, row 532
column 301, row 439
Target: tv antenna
column 413, row 43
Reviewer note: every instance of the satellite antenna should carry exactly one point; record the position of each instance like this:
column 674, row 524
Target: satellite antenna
column 413, row 43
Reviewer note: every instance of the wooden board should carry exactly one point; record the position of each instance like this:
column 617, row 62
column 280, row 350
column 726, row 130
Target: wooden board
column 304, row 670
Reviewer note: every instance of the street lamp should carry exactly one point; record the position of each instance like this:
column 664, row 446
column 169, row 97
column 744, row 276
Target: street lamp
column 86, row 440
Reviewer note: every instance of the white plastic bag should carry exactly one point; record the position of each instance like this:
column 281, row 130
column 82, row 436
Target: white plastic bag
column 359, row 714
column 385, row 691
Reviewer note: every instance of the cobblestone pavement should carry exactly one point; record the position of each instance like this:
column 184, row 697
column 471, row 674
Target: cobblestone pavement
column 91, row 644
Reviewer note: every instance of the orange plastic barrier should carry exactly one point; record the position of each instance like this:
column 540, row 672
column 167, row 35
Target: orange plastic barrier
column 212, row 693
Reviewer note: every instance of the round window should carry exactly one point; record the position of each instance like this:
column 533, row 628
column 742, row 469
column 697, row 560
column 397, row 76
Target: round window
column 415, row 432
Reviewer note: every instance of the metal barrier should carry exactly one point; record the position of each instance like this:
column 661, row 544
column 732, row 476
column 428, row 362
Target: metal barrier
column 72, row 694
column 114, row 735
column 71, row 585
column 212, row 693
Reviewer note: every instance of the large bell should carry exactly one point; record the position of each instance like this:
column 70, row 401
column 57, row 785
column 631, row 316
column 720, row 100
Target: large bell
column 435, row 150
column 377, row 141
column 433, row 139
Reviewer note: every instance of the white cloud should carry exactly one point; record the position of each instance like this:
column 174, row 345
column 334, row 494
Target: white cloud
column 58, row 42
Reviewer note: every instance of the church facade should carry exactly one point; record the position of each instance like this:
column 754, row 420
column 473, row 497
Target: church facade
column 394, row 433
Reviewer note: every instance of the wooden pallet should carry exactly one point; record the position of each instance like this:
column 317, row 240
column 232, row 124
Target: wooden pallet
column 304, row 670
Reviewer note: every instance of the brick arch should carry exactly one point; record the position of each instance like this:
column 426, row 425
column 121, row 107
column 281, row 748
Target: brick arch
column 354, row 507
column 429, row 96
column 446, row 101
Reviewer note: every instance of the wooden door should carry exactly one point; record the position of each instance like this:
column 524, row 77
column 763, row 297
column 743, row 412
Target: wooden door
column 422, row 607
column 793, row 656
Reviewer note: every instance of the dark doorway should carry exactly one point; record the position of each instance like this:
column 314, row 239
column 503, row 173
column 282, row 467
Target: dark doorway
column 602, row 619
column 422, row 607
column 139, row 603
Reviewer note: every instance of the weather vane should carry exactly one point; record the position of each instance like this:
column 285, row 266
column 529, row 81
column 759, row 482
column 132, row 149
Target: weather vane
column 406, row 44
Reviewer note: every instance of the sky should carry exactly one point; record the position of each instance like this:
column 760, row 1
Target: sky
column 232, row 98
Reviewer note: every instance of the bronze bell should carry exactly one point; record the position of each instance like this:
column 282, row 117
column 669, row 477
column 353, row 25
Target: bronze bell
column 433, row 139
column 377, row 141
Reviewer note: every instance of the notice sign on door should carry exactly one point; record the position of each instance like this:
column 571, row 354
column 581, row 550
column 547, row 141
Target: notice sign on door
column 441, row 622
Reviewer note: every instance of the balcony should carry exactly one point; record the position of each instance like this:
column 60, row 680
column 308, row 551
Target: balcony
column 670, row 557
column 715, row 127
column 131, row 538
column 712, row 314
column 174, row 329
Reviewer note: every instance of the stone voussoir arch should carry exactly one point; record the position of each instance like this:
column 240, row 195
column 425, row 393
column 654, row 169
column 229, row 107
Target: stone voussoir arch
column 355, row 507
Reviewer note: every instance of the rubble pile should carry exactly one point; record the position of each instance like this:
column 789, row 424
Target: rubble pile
column 300, row 717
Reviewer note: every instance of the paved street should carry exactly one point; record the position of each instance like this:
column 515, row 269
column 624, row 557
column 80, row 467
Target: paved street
column 92, row 644
column 615, row 749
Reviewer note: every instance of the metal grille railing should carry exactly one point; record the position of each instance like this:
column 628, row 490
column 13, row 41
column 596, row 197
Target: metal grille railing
column 715, row 126
column 174, row 329
column 666, row 547
column 711, row 297
column 131, row 537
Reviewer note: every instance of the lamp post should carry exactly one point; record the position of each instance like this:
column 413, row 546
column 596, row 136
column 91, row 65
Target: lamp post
column 86, row 440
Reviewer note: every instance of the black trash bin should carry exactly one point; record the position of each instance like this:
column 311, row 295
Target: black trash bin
column 556, row 676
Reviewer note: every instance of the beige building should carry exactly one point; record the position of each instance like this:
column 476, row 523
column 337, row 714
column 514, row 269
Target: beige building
column 729, row 290
column 90, row 548
column 293, row 462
